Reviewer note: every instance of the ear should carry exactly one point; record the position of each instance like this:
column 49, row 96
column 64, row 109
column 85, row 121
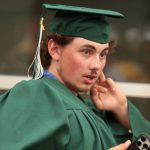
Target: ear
column 53, row 49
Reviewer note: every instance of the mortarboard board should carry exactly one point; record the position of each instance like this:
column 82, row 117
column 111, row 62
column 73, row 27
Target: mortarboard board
column 74, row 21
column 60, row 7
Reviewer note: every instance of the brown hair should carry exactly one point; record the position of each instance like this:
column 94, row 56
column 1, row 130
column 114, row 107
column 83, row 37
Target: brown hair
column 60, row 40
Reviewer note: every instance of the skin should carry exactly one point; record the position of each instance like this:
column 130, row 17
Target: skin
column 79, row 66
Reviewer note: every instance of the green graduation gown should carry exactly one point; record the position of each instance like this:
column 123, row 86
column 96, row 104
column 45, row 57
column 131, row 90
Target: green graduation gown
column 44, row 115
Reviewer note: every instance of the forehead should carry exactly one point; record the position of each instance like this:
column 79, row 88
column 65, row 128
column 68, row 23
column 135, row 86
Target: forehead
column 81, row 42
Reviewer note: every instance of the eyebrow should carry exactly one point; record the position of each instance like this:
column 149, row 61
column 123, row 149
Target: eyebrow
column 93, row 47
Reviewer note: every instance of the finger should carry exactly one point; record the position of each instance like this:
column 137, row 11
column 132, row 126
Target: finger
column 101, row 89
column 127, row 144
column 122, row 146
column 102, row 77
column 95, row 98
column 111, row 84
column 94, row 93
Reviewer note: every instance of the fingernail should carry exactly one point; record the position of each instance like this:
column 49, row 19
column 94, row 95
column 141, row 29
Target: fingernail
column 128, row 142
column 94, row 92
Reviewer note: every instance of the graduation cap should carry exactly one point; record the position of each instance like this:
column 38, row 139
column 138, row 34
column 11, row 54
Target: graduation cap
column 88, row 23
column 74, row 21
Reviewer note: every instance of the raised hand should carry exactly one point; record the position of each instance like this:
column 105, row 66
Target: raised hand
column 107, row 95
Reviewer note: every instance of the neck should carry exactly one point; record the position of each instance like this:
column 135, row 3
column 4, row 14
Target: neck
column 53, row 70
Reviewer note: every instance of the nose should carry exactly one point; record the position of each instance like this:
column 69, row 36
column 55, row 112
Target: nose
column 97, row 64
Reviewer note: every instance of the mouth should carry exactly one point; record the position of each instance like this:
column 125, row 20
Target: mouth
column 90, row 79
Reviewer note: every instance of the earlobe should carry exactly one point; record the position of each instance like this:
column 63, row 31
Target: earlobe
column 53, row 49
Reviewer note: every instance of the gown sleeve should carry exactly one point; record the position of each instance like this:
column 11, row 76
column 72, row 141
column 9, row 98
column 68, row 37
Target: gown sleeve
column 138, row 123
column 32, row 117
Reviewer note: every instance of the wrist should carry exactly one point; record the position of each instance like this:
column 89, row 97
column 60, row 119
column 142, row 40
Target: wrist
column 121, row 114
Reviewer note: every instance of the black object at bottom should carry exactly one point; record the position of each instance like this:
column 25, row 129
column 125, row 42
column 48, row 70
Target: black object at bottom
column 141, row 143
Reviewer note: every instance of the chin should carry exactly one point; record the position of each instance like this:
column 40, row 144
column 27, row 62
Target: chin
column 79, row 88
column 84, row 89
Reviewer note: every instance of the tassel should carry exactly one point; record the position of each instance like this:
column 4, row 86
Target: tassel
column 38, row 69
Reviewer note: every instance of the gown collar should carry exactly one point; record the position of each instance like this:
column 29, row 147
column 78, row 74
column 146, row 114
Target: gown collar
column 49, row 74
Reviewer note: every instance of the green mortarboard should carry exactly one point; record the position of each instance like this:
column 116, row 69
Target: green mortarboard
column 88, row 23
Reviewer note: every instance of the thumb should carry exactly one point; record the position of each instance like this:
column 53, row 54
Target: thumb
column 122, row 146
column 127, row 144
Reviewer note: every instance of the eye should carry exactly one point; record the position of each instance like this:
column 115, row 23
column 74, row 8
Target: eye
column 104, row 53
column 87, row 52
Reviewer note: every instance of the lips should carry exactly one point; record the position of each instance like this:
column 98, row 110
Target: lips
column 91, row 76
column 90, row 79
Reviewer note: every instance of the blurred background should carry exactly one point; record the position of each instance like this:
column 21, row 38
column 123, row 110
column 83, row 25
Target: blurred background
column 19, row 25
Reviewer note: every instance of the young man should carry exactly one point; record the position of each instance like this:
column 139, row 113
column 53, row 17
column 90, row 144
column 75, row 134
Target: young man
column 49, row 113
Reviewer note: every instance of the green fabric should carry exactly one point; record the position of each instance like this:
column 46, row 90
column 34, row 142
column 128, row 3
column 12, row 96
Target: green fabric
column 44, row 115
column 82, row 22
column 60, row 7
column 136, row 118
column 80, row 25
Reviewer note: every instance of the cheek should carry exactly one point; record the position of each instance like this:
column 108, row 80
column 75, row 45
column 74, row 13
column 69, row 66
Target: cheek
column 75, row 66
column 103, row 65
